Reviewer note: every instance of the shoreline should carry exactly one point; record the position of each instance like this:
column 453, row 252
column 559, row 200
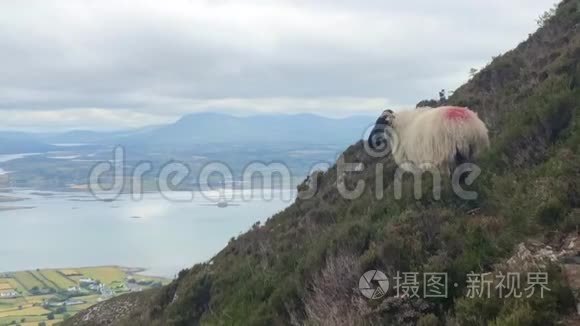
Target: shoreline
column 14, row 208
column 138, row 271
column 10, row 199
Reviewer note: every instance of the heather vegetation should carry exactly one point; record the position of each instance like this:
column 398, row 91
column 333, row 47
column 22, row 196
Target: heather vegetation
column 302, row 266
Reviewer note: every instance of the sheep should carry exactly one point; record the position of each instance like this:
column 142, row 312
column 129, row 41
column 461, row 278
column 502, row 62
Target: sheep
column 443, row 137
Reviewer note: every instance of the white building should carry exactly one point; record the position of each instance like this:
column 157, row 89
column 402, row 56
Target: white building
column 87, row 281
column 8, row 294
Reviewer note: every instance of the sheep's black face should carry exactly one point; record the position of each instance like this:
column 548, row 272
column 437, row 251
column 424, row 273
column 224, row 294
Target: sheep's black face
column 387, row 118
column 377, row 139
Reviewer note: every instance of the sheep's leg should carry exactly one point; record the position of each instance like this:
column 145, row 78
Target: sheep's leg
column 459, row 159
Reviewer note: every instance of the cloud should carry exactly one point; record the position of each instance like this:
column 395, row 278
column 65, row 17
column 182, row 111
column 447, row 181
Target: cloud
column 138, row 61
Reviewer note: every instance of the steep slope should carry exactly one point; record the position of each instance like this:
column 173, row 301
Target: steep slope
column 303, row 265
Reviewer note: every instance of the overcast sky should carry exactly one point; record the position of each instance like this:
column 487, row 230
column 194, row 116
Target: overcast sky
column 108, row 64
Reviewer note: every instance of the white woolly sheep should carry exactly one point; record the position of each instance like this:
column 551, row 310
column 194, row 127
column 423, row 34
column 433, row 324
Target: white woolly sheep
column 444, row 137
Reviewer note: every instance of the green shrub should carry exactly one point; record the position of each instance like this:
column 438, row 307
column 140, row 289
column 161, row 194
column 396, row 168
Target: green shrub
column 428, row 320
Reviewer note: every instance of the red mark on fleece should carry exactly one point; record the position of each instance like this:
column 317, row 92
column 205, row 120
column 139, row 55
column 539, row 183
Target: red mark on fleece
column 457, row 113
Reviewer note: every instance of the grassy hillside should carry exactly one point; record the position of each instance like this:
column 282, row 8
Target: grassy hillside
column 303, row 265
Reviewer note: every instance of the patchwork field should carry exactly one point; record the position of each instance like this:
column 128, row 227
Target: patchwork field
column 107, row 275
column 5, row 286
column 51, row 295
column 25, row 311
column 27, row 280
column 11, row 283
column 70, row 272
column 35, row 323
column 58, row 278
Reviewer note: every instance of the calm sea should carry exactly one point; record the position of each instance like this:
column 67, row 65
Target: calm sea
column 163, row 236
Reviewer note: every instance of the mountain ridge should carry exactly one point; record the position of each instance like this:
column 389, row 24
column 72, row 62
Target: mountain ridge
column 204, row 127
column 267, row 128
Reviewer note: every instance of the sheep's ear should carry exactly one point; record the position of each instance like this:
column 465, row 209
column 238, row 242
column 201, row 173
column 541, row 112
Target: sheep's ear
column 387, row 117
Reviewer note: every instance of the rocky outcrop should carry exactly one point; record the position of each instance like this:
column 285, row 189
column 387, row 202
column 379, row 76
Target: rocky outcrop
column 535, row 255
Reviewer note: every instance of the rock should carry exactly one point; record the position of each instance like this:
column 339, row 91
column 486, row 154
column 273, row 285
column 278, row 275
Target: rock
column 534, row 255
column 530, row 256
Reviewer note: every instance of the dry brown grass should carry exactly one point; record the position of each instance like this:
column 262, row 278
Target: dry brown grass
column 334, row 299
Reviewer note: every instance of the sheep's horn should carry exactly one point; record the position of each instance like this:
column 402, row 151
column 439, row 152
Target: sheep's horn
column 377, row 139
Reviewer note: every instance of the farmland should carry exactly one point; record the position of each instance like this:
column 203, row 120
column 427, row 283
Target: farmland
column 28, row 280
column 57, row 279
column 51, row 295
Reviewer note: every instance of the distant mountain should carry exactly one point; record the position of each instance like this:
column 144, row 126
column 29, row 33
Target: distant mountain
column 19, row 142
column 201, row 128
column 205, row 128
column 94, row 137
column 80, row 136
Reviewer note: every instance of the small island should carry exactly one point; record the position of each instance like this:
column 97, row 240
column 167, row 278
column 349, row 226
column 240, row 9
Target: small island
column 11, row 208
column 12, row 199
